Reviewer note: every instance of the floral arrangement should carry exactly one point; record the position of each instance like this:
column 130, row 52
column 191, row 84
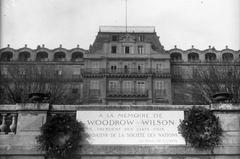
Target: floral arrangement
column 61, row 136
column 201, row 128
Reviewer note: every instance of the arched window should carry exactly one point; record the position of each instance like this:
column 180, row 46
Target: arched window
column 193, row 57
column 42, row 56
column 226, row 57
column 113, row 68
column 77, row 56
column 59, row 56
column 210, row 57
column 176, row 57
column 24, row 56
column 6, row 56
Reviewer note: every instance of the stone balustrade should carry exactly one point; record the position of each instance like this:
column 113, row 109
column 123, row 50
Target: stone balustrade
column 24, row 122
column 8, row 123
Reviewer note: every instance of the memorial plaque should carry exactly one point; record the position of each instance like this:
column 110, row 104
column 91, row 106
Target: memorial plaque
column 29, row 122
column 132, row 127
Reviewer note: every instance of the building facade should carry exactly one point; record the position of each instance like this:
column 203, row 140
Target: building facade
column 128, row 68
column 184, row 63
column 121, row 67
column 61, row 67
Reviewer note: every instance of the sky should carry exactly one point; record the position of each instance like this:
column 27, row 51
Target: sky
column 70, row 22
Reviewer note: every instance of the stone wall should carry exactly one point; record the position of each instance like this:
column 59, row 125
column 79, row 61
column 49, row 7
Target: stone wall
column 21, row 143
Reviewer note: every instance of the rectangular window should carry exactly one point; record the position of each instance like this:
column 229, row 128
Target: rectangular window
column 95, row 66
column 140, row 50
column 126, row 68
column 159, row 67
column 113, row 86
column 128, row 86
column 22, row 71
column 163, row 67
column 114, row 38
column 113, row 68
column 75, row 90
column 127, row 49
column 140, row 38
column 140, row 86
column 76, row 71
column 159, row 84
column 114, row 49
column 94, row 84
column 160, row 88
column 140, row 68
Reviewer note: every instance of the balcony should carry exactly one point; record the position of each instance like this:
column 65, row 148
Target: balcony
column 123, row 72
column 126, row 72
column 127, row 93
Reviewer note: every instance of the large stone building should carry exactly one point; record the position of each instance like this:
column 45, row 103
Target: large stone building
column 63, row 66
column 184, row 63
column 121, row 67
column 128, row 68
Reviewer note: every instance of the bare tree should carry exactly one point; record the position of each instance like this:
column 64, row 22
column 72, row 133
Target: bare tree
column 212, row 79
column 22, row 80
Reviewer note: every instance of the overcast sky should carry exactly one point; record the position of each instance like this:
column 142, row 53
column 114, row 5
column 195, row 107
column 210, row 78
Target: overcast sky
column 70, row 22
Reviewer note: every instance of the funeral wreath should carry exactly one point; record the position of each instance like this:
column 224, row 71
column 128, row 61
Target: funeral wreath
column 60, row 136
column 201, row 128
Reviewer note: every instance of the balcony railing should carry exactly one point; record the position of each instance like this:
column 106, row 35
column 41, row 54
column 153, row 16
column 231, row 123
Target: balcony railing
column 8, row 122
column 160, row 93
column 124, row 93
column 125, row 71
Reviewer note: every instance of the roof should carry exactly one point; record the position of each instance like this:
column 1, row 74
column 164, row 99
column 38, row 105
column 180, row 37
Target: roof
column 130, row 29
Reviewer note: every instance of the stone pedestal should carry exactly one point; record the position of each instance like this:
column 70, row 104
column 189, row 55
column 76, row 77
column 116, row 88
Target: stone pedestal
column 31, row 117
